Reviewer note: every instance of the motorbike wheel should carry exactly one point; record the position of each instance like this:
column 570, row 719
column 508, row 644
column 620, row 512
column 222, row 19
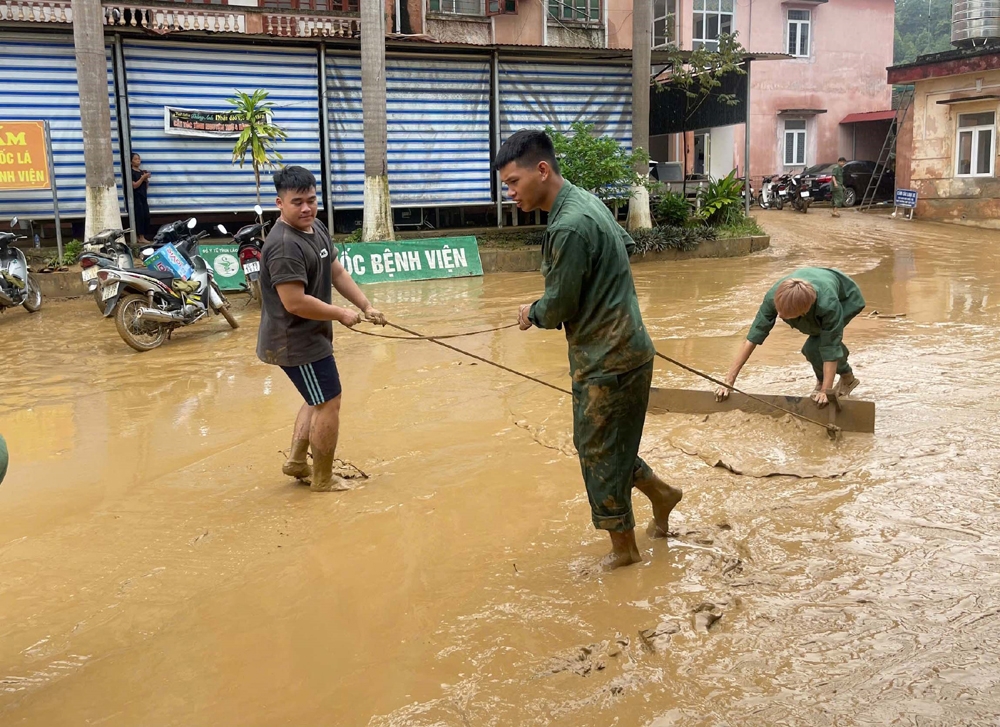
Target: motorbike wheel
column 32, row 295
column 255, row 290
column 805, row 207
column 140, row 336
column 760, row 201
column 778, row 204
column 223, row 309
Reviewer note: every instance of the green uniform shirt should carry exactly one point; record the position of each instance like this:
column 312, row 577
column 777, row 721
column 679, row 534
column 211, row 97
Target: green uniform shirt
column 589, row 288
column 838, row 299
column 3, row 459
column 838, row 174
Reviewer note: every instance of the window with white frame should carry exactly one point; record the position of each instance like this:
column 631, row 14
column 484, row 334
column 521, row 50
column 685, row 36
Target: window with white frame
column 584, row 11
column 712, row 18
column 664, row 23
column 458, row 7
column 795, row 142
column 799, row 31
column 976, row 147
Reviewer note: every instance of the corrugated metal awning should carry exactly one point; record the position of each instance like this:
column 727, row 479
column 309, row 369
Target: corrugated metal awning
column 860, row 118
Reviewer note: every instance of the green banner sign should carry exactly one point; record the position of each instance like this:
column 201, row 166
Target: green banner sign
column 225, row 264
column 380, row 262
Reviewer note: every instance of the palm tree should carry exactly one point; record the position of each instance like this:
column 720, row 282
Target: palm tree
column 95, row 117
column 259, row 133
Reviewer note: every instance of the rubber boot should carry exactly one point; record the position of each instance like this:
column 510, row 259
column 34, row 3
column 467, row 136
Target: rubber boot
column 323, row 479
column 297, row 465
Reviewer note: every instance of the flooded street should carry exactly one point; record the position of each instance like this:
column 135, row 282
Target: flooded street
column 157, row 568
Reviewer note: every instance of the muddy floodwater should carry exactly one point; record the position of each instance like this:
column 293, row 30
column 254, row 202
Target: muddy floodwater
column 157, row 569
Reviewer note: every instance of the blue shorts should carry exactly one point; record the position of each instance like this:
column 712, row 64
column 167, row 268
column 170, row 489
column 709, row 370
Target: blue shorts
column 318, row 382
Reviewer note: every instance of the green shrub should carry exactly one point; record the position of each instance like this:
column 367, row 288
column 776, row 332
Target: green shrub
column 354, row 237
column 671, row 237
column 72, row 252
column 721, row 203
column 671, row 209
column 598, row 164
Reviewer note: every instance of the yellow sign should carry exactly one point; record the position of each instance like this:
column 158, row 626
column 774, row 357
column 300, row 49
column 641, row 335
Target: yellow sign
column 23, row 164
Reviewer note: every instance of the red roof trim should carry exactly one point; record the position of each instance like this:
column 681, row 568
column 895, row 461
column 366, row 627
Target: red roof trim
column 869, row 116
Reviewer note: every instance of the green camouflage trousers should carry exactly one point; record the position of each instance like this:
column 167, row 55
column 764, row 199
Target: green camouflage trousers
column 811, row 351
column 838, row 197
column 609, row 413
column 3, row 459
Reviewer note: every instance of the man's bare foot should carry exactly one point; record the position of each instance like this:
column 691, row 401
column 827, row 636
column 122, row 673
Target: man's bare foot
column 297, row 464
column 664, row 499
column 323, row 479
column 624, row 551
column 332, row 484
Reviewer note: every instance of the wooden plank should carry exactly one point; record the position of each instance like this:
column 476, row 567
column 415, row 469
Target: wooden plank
column 854, row 416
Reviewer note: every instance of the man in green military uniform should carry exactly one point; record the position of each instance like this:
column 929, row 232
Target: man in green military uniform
column 837, row 186
column 589, row 292
column 820, row 302
column 3, row 459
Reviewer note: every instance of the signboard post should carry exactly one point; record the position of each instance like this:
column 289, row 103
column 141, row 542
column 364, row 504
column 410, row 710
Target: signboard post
column 431, row 259
column 26, row 162
column 906, row 199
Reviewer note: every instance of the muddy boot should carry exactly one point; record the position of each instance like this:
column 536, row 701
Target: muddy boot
column 323, row 479
column 624, row 551
column 297, row 465
column 664, row 499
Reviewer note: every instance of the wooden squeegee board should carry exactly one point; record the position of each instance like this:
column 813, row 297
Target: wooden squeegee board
column 855, row 415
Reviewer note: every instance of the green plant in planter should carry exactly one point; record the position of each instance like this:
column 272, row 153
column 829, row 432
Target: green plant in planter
column 671, row 209
column 721, row 203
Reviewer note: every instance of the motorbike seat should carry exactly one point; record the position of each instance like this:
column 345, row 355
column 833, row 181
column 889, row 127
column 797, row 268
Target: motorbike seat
column 149, row 272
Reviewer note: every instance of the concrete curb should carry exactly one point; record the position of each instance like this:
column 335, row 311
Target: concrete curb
column 526, row 260
column 529, row 260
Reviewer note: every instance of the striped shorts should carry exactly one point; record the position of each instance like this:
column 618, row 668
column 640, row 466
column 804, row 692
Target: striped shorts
column 318, row 382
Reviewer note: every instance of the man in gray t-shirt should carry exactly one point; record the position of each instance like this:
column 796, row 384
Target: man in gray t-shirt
column 299, row 268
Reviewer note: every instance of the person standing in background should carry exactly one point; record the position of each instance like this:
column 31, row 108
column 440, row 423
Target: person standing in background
column 837, row 186
column 140, row 188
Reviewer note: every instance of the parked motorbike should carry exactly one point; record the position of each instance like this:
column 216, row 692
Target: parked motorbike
column 18, row 286
column 799, row 194
column 250, row 240
column 149, row 304
column 768, row 196
column 106, row 249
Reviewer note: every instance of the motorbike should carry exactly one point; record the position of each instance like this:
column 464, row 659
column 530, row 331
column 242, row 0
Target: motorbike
column 106, row 249
column 149, row 304
column 799, row 194
column 18, row 286
column 250, row 240
column 769, row 195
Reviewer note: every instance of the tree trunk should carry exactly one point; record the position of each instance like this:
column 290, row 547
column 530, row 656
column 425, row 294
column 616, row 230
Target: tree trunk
column 642, row 43
column 378, row 211
column 95, row 116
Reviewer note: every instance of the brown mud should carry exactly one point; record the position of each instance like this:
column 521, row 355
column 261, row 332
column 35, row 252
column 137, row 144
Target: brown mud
column 157, row 568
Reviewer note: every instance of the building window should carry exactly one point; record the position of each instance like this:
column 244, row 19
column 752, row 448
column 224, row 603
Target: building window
column 976, row 144
column 795, row 143
column 458, row 7
column 712, row 18
column 799, row 25
column 584, row 11
column 664, row 23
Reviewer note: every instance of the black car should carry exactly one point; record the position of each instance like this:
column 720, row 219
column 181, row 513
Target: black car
column 857, row 177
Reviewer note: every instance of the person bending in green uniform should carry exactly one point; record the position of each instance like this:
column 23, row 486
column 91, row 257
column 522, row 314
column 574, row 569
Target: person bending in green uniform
column 589, row 292
column 3, row 459
column 820, row 302
column 837, row 186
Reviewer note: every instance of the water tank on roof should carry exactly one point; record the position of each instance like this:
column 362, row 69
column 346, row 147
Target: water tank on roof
column 975, row 23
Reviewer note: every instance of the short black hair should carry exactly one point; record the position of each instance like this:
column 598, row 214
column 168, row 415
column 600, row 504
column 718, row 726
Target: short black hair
column 294, row 179
column 527, row 148
column 841, row 159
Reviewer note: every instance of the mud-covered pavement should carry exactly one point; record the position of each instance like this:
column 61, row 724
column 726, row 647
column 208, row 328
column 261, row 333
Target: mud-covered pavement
column 157, row 569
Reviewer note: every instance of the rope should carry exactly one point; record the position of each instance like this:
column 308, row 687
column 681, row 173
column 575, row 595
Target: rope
column 432, row 338
column 436, row 339
column 831, row 429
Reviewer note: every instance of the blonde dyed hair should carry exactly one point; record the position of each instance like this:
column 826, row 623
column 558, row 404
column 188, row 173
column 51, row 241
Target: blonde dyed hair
column 794, row 298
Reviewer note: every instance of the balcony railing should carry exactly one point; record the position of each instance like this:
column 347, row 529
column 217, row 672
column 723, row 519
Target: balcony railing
column 316, row 26
column 162, row 20
column 330, row 6
column 26, row 11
